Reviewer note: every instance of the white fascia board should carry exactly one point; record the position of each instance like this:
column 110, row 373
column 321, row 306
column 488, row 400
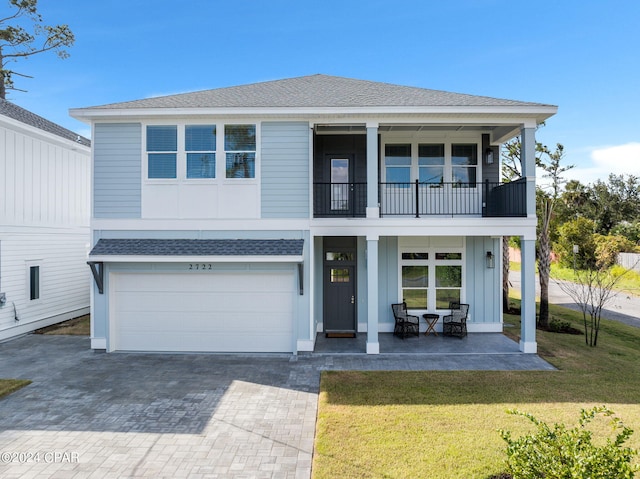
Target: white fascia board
column 43, row 135
column 196, row 259
column 87, row 114
column 525, row 227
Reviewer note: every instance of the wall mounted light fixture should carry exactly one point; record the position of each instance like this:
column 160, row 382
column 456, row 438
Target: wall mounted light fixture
column 490, row 260
column 488, row 156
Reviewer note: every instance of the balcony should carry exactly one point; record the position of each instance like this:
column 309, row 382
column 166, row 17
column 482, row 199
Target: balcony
column 423, row 199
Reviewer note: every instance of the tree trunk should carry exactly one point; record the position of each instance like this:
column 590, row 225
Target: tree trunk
column 505, row 274
column 544, row 270
column 3, row 88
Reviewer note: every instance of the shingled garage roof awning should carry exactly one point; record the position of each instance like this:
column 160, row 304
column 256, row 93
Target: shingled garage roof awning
column 183, row 250
column 194, row 251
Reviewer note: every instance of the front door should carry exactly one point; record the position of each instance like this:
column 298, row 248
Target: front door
column 340, row 286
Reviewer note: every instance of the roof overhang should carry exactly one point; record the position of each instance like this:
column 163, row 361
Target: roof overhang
column 538, row 113
column 196, row 259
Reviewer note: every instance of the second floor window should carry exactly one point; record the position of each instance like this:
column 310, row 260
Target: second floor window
column 162, row 151
column 431, row 163
column 200, row 145
column 240, row 150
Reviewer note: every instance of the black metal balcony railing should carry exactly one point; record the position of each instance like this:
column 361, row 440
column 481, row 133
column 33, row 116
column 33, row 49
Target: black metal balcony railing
column 423, row 199
column 506, row 199
column 339, row 199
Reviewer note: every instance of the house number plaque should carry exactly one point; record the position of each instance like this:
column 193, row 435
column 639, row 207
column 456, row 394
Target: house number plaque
column 200, row 266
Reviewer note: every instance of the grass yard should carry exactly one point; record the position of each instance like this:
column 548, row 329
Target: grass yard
column 7, row 386
column 80, row 326
column 444, row 424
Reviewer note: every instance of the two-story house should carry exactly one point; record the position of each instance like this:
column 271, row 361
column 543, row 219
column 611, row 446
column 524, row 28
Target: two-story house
column 44, row 222
column 253, row 218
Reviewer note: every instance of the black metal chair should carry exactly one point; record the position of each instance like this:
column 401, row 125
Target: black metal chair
column 455, row 324
column 406, row 324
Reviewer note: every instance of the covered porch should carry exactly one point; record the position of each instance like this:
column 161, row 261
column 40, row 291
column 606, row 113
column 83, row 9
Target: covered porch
column 473, row 343
column 477, row 351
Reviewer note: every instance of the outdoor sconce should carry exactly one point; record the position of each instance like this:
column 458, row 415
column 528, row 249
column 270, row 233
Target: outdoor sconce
column 488, row 156
column 490, row 260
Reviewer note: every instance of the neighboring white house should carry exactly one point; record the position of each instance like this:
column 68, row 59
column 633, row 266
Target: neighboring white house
column 254, row 217
column 45, row 179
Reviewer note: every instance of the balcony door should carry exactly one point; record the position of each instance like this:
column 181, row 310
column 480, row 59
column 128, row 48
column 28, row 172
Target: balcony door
column 342, row 189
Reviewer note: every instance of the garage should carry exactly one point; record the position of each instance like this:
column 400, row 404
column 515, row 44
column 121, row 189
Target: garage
column 207, row 311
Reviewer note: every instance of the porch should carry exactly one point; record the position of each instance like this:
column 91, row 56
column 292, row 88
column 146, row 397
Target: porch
column 477, row 351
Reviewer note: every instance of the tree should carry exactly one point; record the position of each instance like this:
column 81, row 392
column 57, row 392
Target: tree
column 16, row 42
column 592, row 289
column 511, row 170
column 550, row 162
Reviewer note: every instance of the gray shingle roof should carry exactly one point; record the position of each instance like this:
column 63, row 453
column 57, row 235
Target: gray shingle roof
column 198, row 247
column 316, row 91
column 25, row 116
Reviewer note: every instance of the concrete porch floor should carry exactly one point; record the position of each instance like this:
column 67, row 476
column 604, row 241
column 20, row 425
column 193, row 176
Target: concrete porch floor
column 477, row 351
column 473, row 343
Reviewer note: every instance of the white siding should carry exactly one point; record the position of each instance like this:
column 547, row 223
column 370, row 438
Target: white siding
column 64, row 279
column 44, row 220
column 42, row 183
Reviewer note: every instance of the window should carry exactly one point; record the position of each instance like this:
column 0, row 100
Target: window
column 162, row 146
column 415, row 283
column 464, row 161
column 200, row 145
column 448, row 285
column 340, row 275
column 34, row 282
column 397, row 162
column 430, row 279
column 240, row 150
column 431, row 163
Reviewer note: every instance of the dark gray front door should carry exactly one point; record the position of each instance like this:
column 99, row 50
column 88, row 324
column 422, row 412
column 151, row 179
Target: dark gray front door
column 340, row 285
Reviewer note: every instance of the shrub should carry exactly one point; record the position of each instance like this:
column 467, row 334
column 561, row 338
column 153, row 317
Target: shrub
column 608, row 247
column 561, row 453
column 576, row 232
column 559, row 326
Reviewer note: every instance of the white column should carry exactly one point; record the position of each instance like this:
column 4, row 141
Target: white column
column 528, row 160
column 373, row 346
column 528, row 291
column 373, row 210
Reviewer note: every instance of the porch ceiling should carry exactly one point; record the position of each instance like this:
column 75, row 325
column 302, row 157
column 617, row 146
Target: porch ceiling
column 499, row 133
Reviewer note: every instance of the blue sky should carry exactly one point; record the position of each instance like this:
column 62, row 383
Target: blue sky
column 583, row 56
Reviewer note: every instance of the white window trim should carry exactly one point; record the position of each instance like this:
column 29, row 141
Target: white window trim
column 417, row 139
column 432, row 263
column 28, row 265
column 181, row 154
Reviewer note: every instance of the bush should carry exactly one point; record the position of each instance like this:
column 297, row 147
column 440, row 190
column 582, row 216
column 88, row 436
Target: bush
column 608, row 247
column 576, row 232
column 559, row 326
column 561, row 453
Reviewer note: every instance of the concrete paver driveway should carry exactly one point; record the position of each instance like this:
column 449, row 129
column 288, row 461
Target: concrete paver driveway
column 93, row 415
column 131, row 415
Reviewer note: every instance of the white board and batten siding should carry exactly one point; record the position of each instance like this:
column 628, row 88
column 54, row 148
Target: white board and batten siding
column 44, row 222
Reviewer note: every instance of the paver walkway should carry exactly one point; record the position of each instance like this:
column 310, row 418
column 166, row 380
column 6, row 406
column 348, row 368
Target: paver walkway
column 93, row 415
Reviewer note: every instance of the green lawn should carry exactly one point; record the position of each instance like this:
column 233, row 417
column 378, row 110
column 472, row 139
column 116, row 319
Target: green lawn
column 444, row 424
column 7, row 386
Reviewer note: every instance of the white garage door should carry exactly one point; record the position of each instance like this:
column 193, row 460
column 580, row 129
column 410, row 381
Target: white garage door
column 221, row 312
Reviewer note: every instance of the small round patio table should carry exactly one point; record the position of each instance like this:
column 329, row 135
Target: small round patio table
column 431, row 320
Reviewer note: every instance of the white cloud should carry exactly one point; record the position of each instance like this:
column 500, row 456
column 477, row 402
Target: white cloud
column 602, row 161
